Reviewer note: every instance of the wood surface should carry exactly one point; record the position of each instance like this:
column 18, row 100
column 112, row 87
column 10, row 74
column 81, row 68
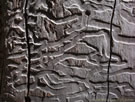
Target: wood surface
column 67, row 50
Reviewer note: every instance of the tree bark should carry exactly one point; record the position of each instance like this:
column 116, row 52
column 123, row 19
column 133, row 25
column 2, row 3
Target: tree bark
column 67, row 50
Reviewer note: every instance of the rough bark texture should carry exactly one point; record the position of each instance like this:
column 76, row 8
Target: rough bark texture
column 67, row 50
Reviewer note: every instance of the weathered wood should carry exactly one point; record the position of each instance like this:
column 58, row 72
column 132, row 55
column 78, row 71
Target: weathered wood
column 67, row 51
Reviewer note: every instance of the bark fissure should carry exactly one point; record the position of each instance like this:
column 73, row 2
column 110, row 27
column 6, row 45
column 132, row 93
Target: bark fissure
column 27, row 98
column 3, row 49
column 110, row 57
column 1, row 81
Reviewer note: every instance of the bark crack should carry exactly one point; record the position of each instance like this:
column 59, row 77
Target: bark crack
column 27, row 98
column 110, row 57
column 1, row 80
column 3, row 49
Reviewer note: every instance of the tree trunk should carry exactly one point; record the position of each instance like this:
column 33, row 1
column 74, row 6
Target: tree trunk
column 67, row 51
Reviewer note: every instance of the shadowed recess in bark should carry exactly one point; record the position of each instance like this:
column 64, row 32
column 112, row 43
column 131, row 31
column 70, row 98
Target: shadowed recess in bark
column 27, row 98
column 110, row 57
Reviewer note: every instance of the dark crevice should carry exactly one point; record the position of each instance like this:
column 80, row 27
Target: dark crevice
column 110, row 57
column 3, row 49
column 105, row 22
column 1, row 80
column 27, row 98
column 127, row 36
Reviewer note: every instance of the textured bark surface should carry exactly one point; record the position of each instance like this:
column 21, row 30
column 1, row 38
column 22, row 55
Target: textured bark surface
column 67, row 50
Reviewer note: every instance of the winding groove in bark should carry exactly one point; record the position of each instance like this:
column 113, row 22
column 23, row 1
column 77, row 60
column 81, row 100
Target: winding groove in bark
column 27, row 98
column 110, row 57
